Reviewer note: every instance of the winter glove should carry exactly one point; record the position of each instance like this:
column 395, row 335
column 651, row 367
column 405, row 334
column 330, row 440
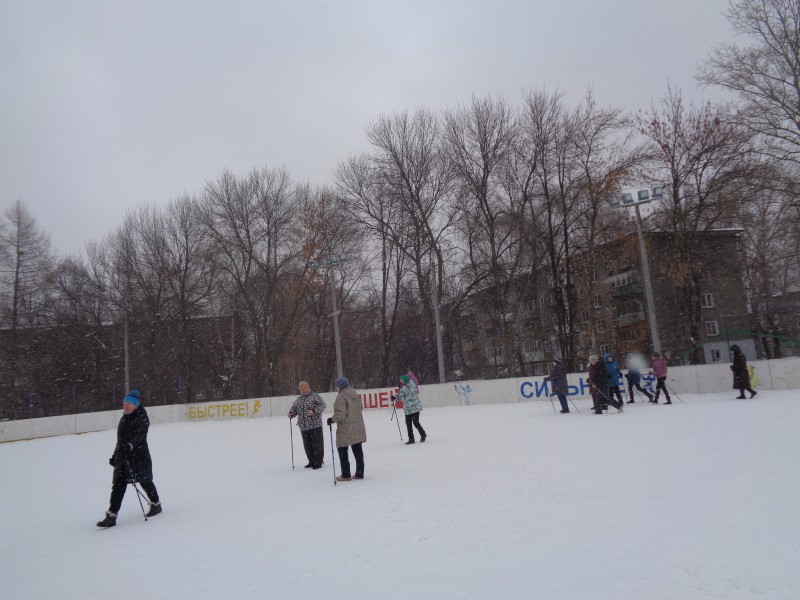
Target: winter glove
column 113, row 461
column 393, row 398
column 330, row 421
column 131, row 476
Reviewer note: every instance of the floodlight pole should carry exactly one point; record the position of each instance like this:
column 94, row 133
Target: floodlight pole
column 330, row 262
column 644, row 198
column 648, row 288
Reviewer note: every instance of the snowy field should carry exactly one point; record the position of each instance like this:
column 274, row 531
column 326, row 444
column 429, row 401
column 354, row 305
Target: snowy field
column 694, row 500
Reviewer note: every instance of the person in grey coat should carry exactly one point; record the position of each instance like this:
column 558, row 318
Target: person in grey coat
column 558, row 378
column 350, row 430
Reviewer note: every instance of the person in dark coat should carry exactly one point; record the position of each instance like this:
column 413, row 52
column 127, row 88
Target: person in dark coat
column 634, row 379
column 598, row 386
column 558, row 378
column 741, row 374
column 131, row 459
column 614, row 376
column 308, row 409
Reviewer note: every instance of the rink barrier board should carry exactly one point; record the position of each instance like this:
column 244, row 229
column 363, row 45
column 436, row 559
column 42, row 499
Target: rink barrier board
column 780, row 374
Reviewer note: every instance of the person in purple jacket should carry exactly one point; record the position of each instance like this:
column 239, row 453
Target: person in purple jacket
column 658, row 369
column 558, row 378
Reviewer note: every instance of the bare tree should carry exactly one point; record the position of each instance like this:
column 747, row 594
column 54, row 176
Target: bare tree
column 771, row 238
column 415, row 174
column 365, row 196
column 582, row 155
column 702, row 157
column 26, row 264
column 765, row 75
column 480, row 142
column 252, row 222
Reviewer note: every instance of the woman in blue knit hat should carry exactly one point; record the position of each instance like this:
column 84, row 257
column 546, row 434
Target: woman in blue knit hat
column 131, row 459
column 350, row 430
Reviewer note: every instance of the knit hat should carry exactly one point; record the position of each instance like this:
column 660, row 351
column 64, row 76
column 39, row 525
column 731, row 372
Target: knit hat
column 594, row 358
column 342, row 383
column 404, row 379
column 132, row 398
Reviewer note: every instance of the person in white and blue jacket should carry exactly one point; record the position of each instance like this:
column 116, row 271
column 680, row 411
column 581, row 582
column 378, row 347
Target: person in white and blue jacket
column 412, row 405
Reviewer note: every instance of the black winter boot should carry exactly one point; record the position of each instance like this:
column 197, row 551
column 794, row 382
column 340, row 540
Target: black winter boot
column 155, row 508
column 109, row 521
column 411, row 441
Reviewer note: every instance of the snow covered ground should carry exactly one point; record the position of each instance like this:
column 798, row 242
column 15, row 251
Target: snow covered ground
column 694, row 500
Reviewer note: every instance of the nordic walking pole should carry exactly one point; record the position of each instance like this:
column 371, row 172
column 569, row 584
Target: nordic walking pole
column 551, row 402
column 140, row 495
column 291, row 440
column 673, row 393
column 571, row 402
column 132, row 481
column 394, row 414
column 609, row 400
column 333, row 453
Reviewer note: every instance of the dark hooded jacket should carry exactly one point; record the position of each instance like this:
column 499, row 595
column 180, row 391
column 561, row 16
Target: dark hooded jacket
column 741, row 375
column 132, row 450
column 599, row 378
column 558, row 378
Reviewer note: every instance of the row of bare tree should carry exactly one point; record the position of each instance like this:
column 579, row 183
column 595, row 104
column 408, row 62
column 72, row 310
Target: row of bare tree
column 225, row 294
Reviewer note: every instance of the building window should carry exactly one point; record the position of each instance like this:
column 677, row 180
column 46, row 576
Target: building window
column 530, row 347
column 200, row 396
column 494, row 351
column 603, row 349
column 547, row 346
column 601, row 326
column 716, row 356
column 597, row 303
column 541, row 302
column 712, row 328
column 708, row 300
column 529, row 307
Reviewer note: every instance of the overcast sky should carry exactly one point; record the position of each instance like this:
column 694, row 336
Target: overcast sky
column 106, row 105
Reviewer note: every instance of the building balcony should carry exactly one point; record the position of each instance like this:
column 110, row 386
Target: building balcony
column 634, row 288
column 628, row 318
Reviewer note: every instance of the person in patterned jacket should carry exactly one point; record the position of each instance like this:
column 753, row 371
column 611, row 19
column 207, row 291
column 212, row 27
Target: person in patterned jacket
column 308, row 409
column 412, row 406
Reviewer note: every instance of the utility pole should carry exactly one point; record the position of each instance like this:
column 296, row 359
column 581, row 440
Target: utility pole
column 328, row 263
column 643, row 197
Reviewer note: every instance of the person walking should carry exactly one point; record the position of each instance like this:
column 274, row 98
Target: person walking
column 658, row 368
column 308, row 409
column 131, row 459
column 559, row 380
column 634, row 379
column 598, row 386
column 614, row 376
column 350, row 430
column 741, row 374
column 412, row 406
